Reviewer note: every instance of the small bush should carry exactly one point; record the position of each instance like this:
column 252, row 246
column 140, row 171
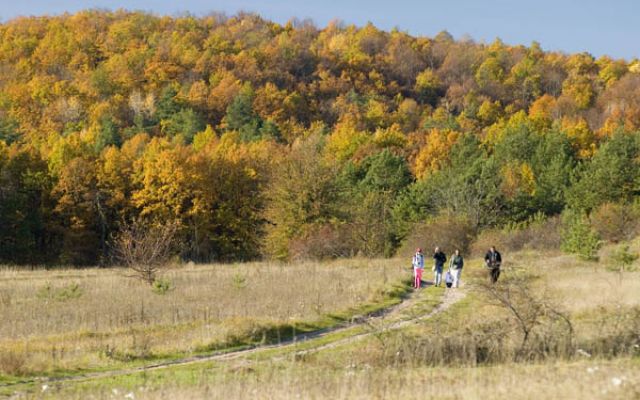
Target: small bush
column 67, row 292
column 12, row 363
column 447, row 231
column 239, row 281
column 162, row 286
column 616, row 222
column 578, row 237
column 140, row 349
column 241, row 331
column 622, row 259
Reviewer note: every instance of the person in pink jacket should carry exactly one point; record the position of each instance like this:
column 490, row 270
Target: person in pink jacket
column 418, row 267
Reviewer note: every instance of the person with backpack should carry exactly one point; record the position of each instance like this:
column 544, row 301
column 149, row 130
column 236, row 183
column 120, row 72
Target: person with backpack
column 418, row 267
column 493, row 260
column 455, row 266
column 439, row 258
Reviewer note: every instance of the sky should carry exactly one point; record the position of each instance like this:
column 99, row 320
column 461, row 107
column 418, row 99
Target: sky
column 598, row 27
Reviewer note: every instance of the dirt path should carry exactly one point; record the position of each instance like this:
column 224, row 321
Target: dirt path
column 449, row 298
column 391, row 318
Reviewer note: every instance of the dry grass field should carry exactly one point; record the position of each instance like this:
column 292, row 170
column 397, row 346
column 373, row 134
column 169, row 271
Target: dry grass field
column 79, row 319
column 565, row 380
column 473, row 349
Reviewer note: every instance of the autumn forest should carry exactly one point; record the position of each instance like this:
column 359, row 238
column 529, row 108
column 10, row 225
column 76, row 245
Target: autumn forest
column 263, row 140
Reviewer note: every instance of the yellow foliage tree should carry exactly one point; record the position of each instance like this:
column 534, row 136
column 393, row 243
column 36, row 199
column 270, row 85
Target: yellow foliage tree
column 489, row 112
column 345, row 140
column 517, row 178
column 611, row 70
column 435, row 154
column 582, row 137
column 541, row 111
column 580, row 90
column 163, row 178
column 201, row 139
column 427, row 85
column 495, row 133
column 489, row 72
column 376, row 114
column 390, row 137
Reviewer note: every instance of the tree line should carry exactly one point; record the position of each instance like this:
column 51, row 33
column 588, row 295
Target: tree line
column 267, row 140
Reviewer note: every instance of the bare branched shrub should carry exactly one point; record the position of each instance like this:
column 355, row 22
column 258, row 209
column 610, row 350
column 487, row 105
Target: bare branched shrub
column 447, row 231
column 534, row 329
column 533, row 313
column 145, row 249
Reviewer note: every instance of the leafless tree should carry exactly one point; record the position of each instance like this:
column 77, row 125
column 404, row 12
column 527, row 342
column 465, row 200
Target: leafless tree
column 145, row 249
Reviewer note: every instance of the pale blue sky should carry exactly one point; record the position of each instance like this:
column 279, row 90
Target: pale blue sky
column 599, row 27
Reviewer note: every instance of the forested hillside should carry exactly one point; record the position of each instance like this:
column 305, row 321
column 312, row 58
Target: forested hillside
column 284, row 141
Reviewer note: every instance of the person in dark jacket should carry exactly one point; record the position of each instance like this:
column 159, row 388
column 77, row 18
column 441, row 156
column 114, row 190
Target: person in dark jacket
column 493, row 260
column 439, row 258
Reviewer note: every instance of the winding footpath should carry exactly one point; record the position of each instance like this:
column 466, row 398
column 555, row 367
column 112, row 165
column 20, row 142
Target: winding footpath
column 450, row 297
column 396, row 317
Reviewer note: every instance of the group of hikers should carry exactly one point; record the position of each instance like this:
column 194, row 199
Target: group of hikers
column 492, row 261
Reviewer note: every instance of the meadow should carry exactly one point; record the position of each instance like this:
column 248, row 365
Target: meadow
column 77, row 319
column 471, row 349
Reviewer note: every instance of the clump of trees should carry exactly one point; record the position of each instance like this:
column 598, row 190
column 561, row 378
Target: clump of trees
column 291, row 140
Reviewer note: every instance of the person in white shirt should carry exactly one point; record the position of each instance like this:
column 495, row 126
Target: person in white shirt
column 455, row 266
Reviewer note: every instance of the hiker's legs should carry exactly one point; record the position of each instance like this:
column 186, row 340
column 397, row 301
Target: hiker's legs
column 417, row 278
column 495, row 273
column 456, row 277
column 438, row 277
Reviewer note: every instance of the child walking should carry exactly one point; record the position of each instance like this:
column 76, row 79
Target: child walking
column 448, row 279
